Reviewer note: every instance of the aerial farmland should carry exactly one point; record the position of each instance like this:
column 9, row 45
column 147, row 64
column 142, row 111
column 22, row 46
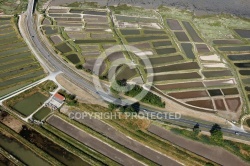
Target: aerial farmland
column 108, row 83
column 185, row 66
column 18, row 66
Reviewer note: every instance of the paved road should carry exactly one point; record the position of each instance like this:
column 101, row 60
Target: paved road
column 81, row 82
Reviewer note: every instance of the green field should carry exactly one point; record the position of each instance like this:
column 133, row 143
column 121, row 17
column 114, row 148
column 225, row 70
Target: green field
column 30, row 104
column 13, row 6
column 17, row 66
column 248, row 122
column 42, row 113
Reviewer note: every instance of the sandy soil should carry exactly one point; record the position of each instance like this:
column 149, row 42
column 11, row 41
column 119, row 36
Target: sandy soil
column 12, row 123
column 210, row 58
column 175, row 107
column 82, row 95
column 214, row 65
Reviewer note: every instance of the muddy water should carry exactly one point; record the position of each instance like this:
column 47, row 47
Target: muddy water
column 192, row 32
column 188, row 49
column 23, row 154
column 174, row 24
column 51, row 148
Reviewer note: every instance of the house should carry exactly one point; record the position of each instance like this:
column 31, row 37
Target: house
column 56, row 101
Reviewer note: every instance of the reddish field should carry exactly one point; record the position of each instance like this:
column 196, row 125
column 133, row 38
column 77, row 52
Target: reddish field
column 163, row 60
column 219, row 103
column 176, row 67
column 180, row 76
column 233, row 104
column 202, row 103
column 189, row 94
column 180, row 86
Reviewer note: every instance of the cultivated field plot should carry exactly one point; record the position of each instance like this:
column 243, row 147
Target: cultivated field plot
column 129, row 143
column 33, row 102
column 238, row 54
column 30, row 100
column 93, row 142
column 201, row 88
column 177, row 50
column 42, row 113
column 13, row 7
column 85, row 35
column 177, row 70
column 206, row 151
column 18, row 67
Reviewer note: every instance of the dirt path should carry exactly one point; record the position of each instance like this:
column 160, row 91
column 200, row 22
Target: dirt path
column 82, row 95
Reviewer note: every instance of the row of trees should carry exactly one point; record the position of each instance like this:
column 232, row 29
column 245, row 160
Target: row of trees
column 129, row 108
column 216, row 133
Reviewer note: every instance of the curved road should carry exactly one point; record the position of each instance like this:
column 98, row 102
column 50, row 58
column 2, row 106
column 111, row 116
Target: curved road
column 73, row 76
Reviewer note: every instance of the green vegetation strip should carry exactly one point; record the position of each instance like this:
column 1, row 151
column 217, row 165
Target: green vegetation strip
column 14, row 51
column 6, row 31
column 28, row 77
column 10, row 59
column 17, row 67
column 11, row 38
column 17, row 73
column 12, row 45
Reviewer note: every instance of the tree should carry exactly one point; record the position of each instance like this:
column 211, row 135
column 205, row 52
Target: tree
column 112, row 106
column 79, row 66
column 122, row 82
column 72, row 96
column 196, row 129
column 131, row 108
column 216, row 134
column 209, row 164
